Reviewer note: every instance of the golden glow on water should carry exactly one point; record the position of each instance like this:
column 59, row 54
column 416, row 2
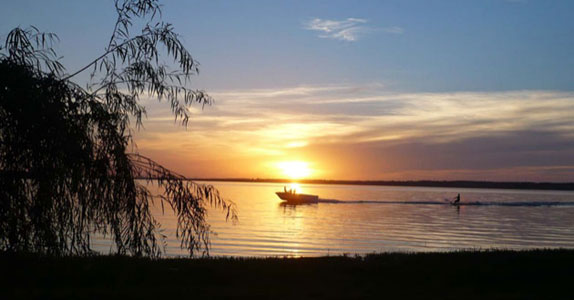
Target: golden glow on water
column 294, row 169
column 375, row 218
column 295, row 187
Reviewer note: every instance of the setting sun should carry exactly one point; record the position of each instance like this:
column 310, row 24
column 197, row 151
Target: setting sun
column 294, row 169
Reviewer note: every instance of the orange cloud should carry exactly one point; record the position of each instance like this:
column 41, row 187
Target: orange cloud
column 247, row 130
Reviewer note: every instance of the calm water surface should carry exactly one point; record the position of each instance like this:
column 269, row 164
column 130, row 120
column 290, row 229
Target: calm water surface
column 366, row 219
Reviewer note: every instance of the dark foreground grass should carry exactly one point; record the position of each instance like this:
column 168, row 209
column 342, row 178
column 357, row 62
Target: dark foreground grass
column 542, row 274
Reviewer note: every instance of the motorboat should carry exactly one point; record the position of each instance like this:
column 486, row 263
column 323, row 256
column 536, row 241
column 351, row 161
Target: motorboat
column 296, row 198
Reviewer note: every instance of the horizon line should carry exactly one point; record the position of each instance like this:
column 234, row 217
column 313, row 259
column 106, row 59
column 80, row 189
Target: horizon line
column 563, row 186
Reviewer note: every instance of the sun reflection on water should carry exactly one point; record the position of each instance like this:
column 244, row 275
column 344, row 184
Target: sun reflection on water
column 295, row 187
column 270, row 227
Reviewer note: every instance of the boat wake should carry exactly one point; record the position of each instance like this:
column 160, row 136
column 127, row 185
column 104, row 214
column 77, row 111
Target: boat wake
column 476, row 203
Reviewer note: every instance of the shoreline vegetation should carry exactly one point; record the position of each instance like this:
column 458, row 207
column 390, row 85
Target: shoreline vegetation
column 487, row 274
column 558, row 186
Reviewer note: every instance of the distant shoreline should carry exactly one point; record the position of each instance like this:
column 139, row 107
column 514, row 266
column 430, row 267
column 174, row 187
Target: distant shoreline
column 557, row 186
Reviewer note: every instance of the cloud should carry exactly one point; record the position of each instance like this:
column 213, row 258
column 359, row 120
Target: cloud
column 369, row 132
column 345, row 30
column 332, row 25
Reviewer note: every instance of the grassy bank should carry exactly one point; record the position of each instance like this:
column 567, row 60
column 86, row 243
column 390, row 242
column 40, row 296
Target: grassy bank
column 541, row 274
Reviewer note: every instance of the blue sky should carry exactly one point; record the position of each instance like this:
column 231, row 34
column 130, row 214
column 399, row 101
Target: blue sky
column 444, row 45
column 321, row 80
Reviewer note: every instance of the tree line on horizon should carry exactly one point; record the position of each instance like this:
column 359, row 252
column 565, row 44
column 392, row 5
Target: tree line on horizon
column 524, row 185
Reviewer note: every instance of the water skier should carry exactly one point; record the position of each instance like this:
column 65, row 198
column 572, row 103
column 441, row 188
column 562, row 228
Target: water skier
column 456, row 200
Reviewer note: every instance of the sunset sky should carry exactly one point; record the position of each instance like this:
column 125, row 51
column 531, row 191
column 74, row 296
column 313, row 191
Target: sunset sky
column 370, row 90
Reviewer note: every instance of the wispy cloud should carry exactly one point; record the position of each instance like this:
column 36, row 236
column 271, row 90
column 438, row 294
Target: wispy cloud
column 348, row 30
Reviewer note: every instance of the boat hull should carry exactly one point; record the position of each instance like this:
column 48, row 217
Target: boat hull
column 298, row 198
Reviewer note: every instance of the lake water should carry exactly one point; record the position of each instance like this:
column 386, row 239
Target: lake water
column 366, row 219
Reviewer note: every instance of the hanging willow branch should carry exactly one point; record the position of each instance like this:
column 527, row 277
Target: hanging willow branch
column 65, row 172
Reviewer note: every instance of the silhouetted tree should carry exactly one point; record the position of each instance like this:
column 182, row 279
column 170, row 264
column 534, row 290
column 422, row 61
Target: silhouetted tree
column 66, row 173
